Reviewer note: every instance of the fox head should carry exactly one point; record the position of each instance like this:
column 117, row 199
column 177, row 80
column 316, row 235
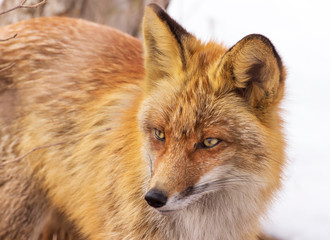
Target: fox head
column 209, row 117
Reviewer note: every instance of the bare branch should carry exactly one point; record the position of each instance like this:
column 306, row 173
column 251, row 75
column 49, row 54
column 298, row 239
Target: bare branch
column 6, row 39
column 24, row 6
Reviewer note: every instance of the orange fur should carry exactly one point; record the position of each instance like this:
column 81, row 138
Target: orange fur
column 81, row 106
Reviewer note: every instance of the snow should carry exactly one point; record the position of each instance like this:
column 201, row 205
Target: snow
column 300, row 31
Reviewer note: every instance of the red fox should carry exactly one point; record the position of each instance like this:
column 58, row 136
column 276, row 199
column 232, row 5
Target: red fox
column 176, row 139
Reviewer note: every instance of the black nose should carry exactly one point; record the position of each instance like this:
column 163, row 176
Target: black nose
column 156, row 198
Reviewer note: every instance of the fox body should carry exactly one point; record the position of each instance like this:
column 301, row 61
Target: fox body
column 183, row 141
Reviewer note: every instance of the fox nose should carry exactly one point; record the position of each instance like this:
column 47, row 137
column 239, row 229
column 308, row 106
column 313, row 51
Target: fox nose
column 156, row 198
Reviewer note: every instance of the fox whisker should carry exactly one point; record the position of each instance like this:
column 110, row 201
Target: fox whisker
column 204, row 187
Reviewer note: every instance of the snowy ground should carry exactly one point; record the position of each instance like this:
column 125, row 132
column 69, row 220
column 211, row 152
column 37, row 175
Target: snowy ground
column 300, row 30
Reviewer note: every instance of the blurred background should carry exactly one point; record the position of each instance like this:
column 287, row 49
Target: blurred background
column 301, row 33
column 125, row 15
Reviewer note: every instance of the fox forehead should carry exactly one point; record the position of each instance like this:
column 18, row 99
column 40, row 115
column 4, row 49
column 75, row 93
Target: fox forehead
column 187, row 110
column 194, row 108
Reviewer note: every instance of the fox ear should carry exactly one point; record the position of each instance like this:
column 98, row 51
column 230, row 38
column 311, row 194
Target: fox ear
column 255, row 71
column 164, row 45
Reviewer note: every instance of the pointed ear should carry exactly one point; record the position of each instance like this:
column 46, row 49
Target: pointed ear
column 254, row 69
column 164, row 45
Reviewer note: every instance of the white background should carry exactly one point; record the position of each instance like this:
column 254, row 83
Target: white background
column 300, row 30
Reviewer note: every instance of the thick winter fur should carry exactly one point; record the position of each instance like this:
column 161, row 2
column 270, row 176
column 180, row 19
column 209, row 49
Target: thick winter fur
column 79, row 108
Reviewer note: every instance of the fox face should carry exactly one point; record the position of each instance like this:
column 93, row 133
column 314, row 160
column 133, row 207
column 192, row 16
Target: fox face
column 209, row 117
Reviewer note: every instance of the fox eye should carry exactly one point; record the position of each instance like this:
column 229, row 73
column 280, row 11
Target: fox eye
column 159, row 135
column 210, row 142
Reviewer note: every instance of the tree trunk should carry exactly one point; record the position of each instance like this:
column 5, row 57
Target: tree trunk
column 125, row 15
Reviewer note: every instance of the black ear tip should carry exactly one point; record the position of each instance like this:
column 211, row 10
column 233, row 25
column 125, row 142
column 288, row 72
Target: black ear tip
column 268, row 43
column 175, row 28
column 155, row 7
column 258, row 36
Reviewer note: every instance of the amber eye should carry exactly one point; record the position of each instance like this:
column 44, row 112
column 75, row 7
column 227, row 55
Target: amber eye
column 210, row 142
column 159, row 135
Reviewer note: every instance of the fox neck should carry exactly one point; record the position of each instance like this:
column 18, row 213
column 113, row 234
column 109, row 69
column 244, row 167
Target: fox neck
column 217, row 216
